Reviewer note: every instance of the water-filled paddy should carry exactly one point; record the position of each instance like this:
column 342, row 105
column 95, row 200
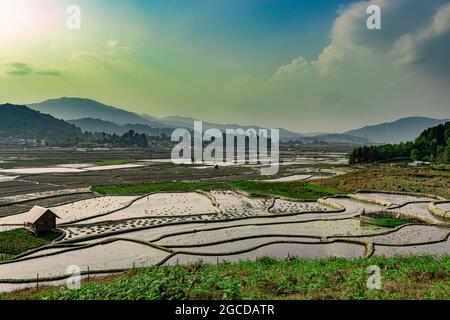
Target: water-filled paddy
column 394, row 199
column 280, row 251
column 216, row 226
column 316, row 228
column 116, row 255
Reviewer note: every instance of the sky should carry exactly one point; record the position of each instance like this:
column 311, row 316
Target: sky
column 308, row 66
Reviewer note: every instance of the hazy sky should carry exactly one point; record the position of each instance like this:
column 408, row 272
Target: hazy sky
column 303, row 65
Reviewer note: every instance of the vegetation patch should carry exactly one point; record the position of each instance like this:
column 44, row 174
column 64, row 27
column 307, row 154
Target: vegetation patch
column 384, row 221
column 292, row 189
column 432, row 145
column 143, row 188
column 14, row 242
column 428, row 180
column 410, row 277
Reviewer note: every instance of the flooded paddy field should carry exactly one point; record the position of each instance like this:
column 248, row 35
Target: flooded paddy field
column 395, row 199
column 439, row 248
column 277, row 250
column 115, row 255
column 118, row 244
column 8, row 209
column 444, row 206
column 111, row 233
column 317, row 229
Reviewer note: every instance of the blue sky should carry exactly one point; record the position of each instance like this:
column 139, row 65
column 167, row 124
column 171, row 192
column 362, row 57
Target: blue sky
column 308, row 65
column 261, row 32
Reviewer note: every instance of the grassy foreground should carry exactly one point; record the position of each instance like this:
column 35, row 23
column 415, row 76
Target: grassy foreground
column 293, row 189
column 414, row 277
column 16, row 241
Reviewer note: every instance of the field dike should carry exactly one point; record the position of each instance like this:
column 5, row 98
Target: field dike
column 75, row 222
column 414, row 194
column 368, row 247
column 43, row 198
column 359, row 195
column 217, row 221
column 334, row 205
column 174, row 250
column 440, row 213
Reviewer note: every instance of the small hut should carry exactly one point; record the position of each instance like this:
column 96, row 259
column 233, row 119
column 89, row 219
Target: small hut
column 39, row 220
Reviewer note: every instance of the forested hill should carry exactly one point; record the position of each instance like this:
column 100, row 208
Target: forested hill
column 432, row 145
column 20, row 122
column 25, row 123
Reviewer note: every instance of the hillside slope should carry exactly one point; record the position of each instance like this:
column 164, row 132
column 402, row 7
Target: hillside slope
column 77, row 108
column 405, row 129
column 25, row 123
column 433, row 145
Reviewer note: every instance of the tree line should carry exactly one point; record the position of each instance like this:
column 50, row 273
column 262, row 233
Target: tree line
column 128, row 139
column 432, row 145
column 20, row 122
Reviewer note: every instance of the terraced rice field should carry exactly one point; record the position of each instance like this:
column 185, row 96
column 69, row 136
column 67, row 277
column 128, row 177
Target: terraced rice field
column 112, row 233
column 108, row 234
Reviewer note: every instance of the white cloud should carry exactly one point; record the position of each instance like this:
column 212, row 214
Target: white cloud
column 328, row 61
column 412, row 47
column 296, row 67
column 362, row 73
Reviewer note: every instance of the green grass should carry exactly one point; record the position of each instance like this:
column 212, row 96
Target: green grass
column 16, row 241
column 5, row 256
column 384, row 221
column 411, row 277
column 143, row 188
column 442, row 169
column 429, row 180
column 293, row 189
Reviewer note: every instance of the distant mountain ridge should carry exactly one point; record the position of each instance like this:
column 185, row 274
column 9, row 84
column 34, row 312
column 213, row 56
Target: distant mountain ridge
column 340, row 138
column 21, row 122
column 97, row 125
column 432, row 145
column 401, row 130
column 75, row 109
column 78, row 108
column 93, row 116
column 187, row 122
column 20, row 125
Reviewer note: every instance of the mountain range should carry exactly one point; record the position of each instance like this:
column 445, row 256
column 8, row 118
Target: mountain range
column 77, row 108
column 20, row 122
column 90, row 115
column 405, row 129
